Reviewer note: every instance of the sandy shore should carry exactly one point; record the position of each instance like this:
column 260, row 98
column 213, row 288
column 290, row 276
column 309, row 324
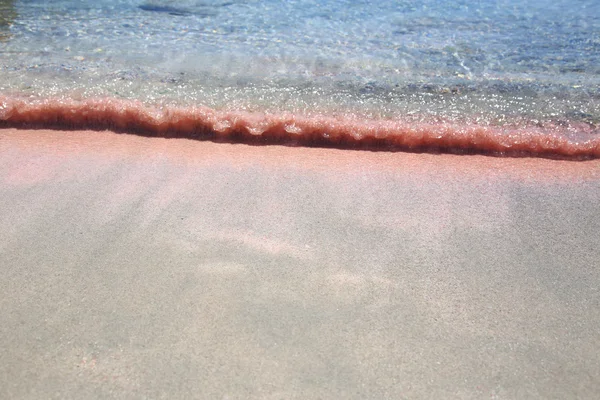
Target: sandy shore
column 167, row 268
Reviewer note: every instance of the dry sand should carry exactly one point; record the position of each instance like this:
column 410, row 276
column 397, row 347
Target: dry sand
column 167, row 268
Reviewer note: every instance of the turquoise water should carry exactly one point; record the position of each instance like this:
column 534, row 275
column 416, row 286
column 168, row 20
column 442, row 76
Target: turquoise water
column 491, row 60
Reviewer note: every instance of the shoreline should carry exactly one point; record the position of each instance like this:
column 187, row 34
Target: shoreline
column 184, row 151
column 558, row 139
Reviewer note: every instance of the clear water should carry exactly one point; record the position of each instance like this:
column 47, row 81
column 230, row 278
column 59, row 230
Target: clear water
column 491, row 60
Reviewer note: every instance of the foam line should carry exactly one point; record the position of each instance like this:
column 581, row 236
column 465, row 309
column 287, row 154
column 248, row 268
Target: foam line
column 555, row 140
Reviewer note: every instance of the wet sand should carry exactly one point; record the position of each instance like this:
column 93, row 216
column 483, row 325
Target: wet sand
column 138, row 267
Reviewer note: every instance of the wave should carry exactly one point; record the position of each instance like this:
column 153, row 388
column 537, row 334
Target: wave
column 552, row 139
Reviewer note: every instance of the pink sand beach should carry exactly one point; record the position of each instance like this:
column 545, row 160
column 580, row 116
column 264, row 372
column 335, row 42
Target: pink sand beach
column 138, row 267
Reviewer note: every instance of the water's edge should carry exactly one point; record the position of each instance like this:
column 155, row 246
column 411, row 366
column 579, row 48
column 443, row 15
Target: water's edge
column 573, row 140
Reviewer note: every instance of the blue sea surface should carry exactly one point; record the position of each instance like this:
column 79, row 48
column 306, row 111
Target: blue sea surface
column 494, row 59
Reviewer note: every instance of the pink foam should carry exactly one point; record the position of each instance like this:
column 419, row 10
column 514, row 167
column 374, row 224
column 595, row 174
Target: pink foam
column 571, row 140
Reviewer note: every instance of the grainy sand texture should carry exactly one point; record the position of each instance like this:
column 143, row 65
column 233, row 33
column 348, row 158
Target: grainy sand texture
column 135, row 267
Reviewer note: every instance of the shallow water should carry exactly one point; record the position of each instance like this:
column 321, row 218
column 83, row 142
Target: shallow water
column 486, row 63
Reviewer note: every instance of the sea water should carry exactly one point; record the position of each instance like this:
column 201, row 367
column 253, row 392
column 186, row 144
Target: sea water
column 507, row 76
